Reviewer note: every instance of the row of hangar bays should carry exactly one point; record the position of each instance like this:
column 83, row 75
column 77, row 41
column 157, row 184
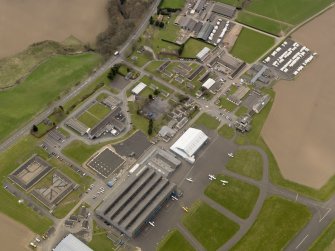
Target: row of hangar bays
column 138, row 199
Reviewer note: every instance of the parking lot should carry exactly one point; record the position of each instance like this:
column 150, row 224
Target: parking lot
column 134, row 146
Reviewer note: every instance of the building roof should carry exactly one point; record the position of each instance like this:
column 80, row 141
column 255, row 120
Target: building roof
column 224, row 9
column 189, row 143
column 191, row 24
column 138, row 88
column 205, row 31
column 71, row 243
column 198, row 27
column 209, row 83
column 199, row 5
column 166, row 131
column 203, row 53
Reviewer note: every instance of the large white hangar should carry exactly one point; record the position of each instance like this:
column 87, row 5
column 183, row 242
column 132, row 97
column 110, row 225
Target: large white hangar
column 189, row 143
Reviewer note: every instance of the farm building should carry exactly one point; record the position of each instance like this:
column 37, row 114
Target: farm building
column 203, row 53
column 189, row 143
column 209, row 83
column 199, row 6
column 205, row 31
column 224, row 9
column 138, row 88
column 71, row 243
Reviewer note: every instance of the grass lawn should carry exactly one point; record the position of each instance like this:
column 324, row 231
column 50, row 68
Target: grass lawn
column 10, row 160
column 100, row 241
column 98, row 110
column 325, row 240
column 277, row 223
column 251, row 45
column 236, row 3
column 263, row 24
column 172, row 4
column 80, row 152
column 248, row 163
column 140, row 59
column 88, row 120
column 208, row 226
column 241, row 111
column 150, row 82
column 289, row 11
column 237, row 196
column 44, row 85
column 102, row 96
column 174, row 240
column 226, row 131
column 226, row 104
column 193, row 46
column 207, row 121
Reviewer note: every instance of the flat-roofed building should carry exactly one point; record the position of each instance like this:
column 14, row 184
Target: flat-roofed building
column 189, row 143
column 138, row 88
column 136, row 201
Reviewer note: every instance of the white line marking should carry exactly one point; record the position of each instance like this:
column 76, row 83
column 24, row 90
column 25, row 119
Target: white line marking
column 329, row 209
column 296, row 198
column 301, row 241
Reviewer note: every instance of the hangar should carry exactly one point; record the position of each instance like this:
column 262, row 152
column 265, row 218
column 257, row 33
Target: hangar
column 139, row 198
column 71, row 243
column 189, row 143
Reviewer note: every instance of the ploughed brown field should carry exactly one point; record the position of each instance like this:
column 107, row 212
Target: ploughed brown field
column 300, row 129
column 23, row 22
column 13, row 235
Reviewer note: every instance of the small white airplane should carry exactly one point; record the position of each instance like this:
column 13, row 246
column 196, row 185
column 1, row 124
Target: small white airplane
column 174, row 198
column 211, row 177
column 224, row 182
column 185, row 209
column 189, row 179
column 152, row 223
column 231, row 155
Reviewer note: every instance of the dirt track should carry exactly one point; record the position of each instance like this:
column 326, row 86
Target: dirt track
column 301, row 127
column 25, row 22
column 13, row 235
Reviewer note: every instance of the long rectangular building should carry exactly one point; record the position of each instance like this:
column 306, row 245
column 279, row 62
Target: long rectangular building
column 136, row 202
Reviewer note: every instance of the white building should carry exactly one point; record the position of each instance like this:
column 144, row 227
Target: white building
column 203, row 53
column 189, row 143
column 138, row 88
column 209, row 83
column 71, row 243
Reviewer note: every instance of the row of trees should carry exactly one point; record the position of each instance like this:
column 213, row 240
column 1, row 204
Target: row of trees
column 157, row 23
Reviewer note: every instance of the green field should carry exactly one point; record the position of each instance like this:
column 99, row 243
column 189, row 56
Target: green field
column 98, row 110
column 226, row 104
column 88, row 120
column 10, row 160
column 172, row 4
column 174, row 240
column 277, row 223
column 289, row 11
column 263, row 24
column 193, row 46
column 237, row 196
column 207, row 121
column 236, row 3
column 100, row 241
column 241, row 111
column 208, row 226
column 226, row 131
column 247, row 163
column 251, row 45
column 93, row 115
column 325, row 240
column 40, row 88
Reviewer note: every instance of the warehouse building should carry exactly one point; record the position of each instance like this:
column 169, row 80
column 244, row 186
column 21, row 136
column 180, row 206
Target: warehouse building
column 138, row 88
column 71, row 243
column 203, row 54
column 189, row 143
column 136, row 202
column 205, row 31
column 224, row 10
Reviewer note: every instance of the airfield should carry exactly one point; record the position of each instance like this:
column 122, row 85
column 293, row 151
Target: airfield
column 300, row 128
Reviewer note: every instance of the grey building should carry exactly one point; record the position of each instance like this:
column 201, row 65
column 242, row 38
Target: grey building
column 137, row 200
column 224, row 9
column 199, row 6
column 205, row 31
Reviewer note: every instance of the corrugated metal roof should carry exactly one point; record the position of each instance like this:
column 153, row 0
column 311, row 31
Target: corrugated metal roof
column 209, row 83
column 71, row 243
column 224, row 9
column 138, row 88
column 203, row 53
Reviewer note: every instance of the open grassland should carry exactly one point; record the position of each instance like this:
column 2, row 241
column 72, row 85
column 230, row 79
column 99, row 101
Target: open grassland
column 289, row 11
column 277, row 223
column 236, row 3
column 172, row 4
column 174, row 240
column 251, row 45
column 208, row 226
column 263, row 24
column 237, row 196
column 247, row 163
column 93, row 115
column 242, row 110
column 43, row 86
column 98, row 110
column 10, row 160
column 193, row 46
column 226, row 131
column 80, row 152
column 326, row 240
column 207, row 121
column 226, row 104
column 100, row 241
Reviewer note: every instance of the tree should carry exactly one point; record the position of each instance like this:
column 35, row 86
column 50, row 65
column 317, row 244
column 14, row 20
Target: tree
column 151, row 20
column 161, row 24
column 157, row 92
column 150, row 127
column 150, row 97
column 35, row 128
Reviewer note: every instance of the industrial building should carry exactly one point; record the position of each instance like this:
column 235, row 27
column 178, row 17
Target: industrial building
column 71, row 243
column 189, row 143
column 203, row 54
column 136, row 202
column 224, row 9
column 209, row 83
column 205, row 31
column 261, row 103
column 138, row 88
